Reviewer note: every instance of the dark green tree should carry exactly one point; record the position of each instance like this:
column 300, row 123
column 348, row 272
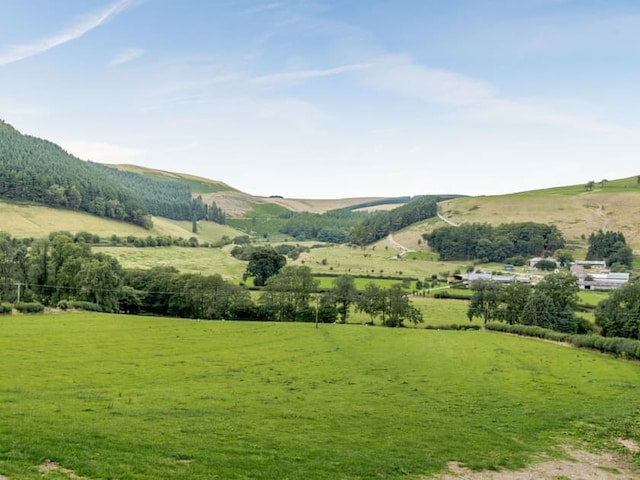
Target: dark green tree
column 399, row 307
column 540, row 311
column 372, row 301
column 288, row 293
column 345, row 294
column 619, row 315
column 264, row 263
column 513, row 298
column 485, row 299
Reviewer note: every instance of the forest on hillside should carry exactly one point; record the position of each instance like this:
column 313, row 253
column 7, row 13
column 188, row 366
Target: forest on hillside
column 36, row 170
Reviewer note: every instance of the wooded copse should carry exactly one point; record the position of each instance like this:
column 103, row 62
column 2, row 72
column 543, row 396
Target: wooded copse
column 505, row 242
column 379, row 224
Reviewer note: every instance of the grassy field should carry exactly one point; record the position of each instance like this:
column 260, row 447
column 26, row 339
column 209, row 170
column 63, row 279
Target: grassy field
column 205, row 261
column 379, row 259
column 24, row 221
column 147, row 398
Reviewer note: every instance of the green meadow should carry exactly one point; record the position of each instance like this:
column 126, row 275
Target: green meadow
column 120, row 397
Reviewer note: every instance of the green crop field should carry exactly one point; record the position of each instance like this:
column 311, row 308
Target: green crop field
column 123, row 397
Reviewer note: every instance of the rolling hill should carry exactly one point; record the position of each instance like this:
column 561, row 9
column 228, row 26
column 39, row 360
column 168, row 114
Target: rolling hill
column 575, row 209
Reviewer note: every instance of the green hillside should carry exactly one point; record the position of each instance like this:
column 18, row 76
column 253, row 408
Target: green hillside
column 576, row 211
column 23, row 220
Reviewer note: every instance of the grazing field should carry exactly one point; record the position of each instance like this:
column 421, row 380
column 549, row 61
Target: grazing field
column 379, row 259
column 105, row 396
column 205, row 261
column 24, row 221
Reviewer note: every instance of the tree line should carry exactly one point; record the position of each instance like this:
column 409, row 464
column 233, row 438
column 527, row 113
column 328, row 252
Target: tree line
column 379, row 224
column 62, row 271
column 553, row 303
column 501, row 243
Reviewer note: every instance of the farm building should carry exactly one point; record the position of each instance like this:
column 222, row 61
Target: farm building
column 598, row 281
column 467, row 278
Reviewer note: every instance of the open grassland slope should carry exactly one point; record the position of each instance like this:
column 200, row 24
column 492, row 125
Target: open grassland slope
column 574, row 210
column 123, row 397
column 24, row 220
column 204, row 261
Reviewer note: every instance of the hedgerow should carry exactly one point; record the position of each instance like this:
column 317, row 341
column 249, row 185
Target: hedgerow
column 621, row 347
column 5, row 308
column 29, row 307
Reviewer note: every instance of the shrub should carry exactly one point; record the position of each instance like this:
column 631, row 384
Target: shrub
column 88, row 306
column 450, row 295
column 5, row 308
column 621, row 347
column 29, row 307
column 453, row 326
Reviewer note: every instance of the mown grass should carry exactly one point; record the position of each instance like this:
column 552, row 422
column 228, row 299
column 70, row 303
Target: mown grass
column 148, row 398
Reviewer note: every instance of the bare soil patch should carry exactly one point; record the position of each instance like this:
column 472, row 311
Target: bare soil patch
column 581, row 465
column 50, row 466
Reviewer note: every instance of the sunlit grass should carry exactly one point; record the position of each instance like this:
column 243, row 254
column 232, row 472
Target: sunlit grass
column 148, row 398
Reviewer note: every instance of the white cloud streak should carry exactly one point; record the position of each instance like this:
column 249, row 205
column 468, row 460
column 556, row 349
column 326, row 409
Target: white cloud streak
column 126, row 56
column 302, row 75
column 472, row 99
column 263, row 8
column 84, row 25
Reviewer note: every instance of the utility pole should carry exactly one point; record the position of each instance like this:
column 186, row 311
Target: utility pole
column 18, row 284
column 317, row 306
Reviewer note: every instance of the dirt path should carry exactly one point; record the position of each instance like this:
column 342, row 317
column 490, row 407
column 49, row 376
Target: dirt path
column 403, row 250
column 446, row 220
column 581, row 465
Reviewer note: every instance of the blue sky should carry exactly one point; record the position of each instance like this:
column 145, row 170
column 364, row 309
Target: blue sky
column 329, row 99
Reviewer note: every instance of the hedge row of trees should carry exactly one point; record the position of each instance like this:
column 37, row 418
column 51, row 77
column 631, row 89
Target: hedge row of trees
column 63, row 271
column 487, row 243
column 551, row 304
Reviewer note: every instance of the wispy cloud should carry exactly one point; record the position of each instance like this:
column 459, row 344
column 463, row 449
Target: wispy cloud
column 82, row 26
column 302, row 75
column 126, row 56
column 263, row 8
column 472, row 99
column 397, row 74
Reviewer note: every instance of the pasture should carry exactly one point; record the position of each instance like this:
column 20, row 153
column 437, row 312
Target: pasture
column 205, row 261
column 114, row 396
